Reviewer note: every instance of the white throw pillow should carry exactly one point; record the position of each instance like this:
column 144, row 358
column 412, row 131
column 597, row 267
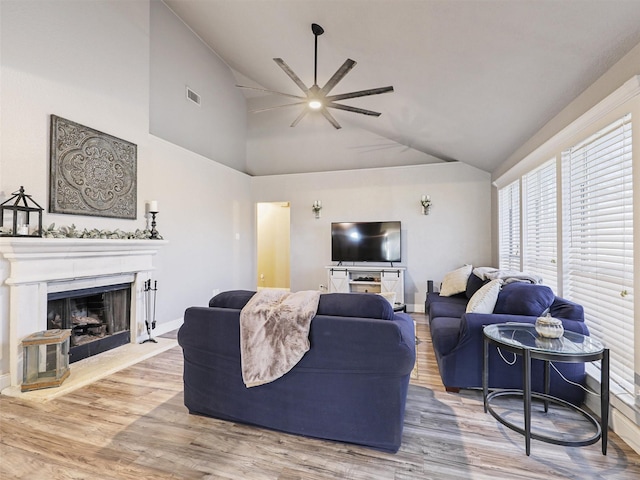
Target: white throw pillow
column 456, row 281
column 484, row 300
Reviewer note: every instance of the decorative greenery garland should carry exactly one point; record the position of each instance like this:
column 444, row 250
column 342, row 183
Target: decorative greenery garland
column 72, row 232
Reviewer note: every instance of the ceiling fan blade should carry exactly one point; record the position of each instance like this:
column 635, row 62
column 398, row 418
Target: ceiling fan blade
column 329, row 117
column 269, row 91
column 340, row 73
column 360, row 93
column 353, row 109
column 292, row 75
column 258, row 110
column 299, row 117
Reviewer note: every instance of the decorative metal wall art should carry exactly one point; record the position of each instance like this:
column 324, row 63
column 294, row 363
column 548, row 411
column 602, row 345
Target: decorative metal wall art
column 92, row 173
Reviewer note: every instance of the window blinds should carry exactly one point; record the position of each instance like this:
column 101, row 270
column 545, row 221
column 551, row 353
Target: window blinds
column 599, row 234
column 539, row 224
column 509, row 226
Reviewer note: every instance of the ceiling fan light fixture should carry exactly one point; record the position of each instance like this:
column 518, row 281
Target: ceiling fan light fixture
column 315, row 104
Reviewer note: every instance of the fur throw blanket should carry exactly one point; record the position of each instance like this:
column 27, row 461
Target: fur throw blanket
column 507, row 276
column 274, row 333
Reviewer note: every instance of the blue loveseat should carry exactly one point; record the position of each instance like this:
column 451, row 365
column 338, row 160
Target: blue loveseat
column 458, row 339
column 351, row 386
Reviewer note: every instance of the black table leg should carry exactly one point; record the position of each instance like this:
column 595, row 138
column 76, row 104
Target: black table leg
column 604, row 399
column 547, row 384
column 526, row 383
column 485, row 372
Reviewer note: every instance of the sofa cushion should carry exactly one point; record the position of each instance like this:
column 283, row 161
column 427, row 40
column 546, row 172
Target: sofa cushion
column 519, row 298
column 484, row 300
column 455, row 281
column 364, row 305
column 447, row 309
column 445, row 333
column 232, row 299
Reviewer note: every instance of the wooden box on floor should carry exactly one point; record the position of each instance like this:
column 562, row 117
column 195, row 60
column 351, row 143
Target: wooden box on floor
column 45, row 359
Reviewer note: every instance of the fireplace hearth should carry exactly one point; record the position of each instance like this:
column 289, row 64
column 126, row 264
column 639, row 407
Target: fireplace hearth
column 99, row 318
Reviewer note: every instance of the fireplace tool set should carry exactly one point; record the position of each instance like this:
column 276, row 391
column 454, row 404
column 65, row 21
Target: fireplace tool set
column 150, row 308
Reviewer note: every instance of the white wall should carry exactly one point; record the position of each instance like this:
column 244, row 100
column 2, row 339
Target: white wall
column 89, row 62
column 457, row 231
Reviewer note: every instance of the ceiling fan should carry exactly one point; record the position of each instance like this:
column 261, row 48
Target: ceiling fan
column 317, row 99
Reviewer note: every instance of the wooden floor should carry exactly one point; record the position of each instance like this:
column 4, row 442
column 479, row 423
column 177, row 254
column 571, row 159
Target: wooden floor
column 133, row 425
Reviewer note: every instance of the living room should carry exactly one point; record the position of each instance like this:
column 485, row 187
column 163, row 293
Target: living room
column 110, row 65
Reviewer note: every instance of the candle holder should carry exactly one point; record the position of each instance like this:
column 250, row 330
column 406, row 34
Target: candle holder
column 19, row 207
column 154, row 233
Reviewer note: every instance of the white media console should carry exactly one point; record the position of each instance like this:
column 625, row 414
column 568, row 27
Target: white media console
column 344, row 279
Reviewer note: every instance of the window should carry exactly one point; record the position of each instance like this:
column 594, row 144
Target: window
column 540, row 242
column 598, row 223
column 509, row 226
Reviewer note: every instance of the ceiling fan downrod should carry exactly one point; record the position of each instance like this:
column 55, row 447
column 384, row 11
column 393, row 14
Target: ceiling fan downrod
column 317, row 31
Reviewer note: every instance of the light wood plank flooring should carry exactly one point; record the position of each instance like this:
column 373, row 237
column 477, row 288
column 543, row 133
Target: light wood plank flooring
column 133, row 425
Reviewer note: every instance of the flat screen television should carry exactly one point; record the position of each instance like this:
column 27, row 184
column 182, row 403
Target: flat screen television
column 365, row 242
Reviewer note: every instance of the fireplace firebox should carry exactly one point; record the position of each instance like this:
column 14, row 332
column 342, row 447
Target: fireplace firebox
column 99, row 318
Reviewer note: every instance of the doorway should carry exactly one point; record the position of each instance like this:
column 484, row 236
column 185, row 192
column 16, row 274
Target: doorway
column 273, row 239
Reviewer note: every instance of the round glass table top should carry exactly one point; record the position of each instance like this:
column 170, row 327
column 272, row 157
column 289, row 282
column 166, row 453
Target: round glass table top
column 524, row 335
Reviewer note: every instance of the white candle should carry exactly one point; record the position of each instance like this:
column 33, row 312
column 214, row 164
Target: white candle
column 153, row 206
column 23, row 230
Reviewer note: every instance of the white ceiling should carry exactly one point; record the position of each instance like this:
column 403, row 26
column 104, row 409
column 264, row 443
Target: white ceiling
column 473, row 79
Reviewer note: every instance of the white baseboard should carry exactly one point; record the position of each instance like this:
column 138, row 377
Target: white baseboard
column 5, row 381
column 625, row 429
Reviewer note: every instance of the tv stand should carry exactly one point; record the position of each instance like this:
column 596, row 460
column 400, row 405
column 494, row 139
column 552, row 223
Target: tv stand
column 343, row 279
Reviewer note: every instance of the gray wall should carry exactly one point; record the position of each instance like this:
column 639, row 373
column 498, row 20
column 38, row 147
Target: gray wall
column 216, row 128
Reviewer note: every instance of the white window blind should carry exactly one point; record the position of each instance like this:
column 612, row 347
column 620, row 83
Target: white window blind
column 509, row 226
column 540, row 242
column 599, row 231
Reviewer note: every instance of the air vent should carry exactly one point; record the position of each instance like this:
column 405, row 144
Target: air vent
column 193, row 96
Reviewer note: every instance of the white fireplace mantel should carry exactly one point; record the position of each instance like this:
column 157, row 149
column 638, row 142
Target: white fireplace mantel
column 30, row 268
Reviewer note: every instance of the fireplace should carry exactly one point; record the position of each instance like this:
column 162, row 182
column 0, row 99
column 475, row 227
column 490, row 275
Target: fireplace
column 99, row 318
column 35, row 271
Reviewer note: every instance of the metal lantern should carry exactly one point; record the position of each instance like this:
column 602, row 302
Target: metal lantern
column 19, row 208
column 45, row 359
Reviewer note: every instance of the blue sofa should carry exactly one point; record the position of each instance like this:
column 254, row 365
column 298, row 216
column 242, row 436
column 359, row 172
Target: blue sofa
column 351, row 386
column 458, row 339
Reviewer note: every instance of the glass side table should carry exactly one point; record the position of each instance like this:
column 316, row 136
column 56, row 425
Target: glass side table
column 522, row 339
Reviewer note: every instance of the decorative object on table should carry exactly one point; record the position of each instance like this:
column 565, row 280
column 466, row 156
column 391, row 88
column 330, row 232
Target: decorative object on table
column 425, row 201
column 317, row 207
column 92, row 173
column 549, row 327
column 150, row 308
column 45, row 359
column 153, row 210
column 19, row 208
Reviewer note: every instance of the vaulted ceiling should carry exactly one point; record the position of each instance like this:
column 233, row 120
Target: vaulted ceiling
column 473, row 79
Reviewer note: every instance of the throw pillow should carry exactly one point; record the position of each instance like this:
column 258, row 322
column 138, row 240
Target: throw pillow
column 520, row 298
column 456, row 281
column 484, row 300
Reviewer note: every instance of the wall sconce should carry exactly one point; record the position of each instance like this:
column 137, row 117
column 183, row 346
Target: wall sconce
column 317, row 206
column 426, row 204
